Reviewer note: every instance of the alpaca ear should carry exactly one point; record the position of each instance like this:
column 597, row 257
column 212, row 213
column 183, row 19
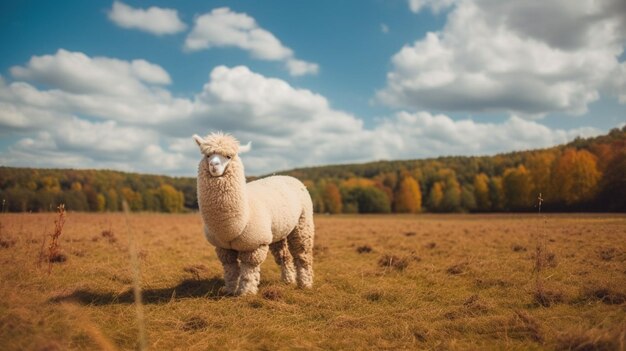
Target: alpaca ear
column 245, row 148
column 198, row 139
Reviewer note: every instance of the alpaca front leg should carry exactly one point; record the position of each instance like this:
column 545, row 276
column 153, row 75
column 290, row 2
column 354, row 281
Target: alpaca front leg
column 251, row 270
column 283, row 258
column 229, row 261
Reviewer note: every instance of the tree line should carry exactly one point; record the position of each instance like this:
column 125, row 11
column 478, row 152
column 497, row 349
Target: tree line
column 584, row 175
column 38, row 190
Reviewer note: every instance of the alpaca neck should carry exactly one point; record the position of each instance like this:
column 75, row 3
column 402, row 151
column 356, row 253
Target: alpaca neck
column 223, row 202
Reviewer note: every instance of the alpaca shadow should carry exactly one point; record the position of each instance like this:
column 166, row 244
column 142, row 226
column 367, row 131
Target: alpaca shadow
column 188, row 288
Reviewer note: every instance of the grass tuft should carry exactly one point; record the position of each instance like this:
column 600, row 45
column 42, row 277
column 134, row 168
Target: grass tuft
column 523, row 326
column 272, row 294
column 393, row 261
column 605, row 293
column 457, row 269
column 547, row 298
column 607, row 254
column 109, row 236
column 194, row 323
column 364, row 249
column 518, row 248
column 592, row 340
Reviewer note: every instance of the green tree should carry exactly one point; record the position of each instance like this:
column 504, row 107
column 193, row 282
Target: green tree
column 92, row 198
column 368, row 199
column 435, row 197
column 151, row 200
column 496, row 194
column 316, row 198
column 468, row 201
column 451, row 201
column 517, row 188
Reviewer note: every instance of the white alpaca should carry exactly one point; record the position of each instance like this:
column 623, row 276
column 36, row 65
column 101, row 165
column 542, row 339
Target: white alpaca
column 244, row 221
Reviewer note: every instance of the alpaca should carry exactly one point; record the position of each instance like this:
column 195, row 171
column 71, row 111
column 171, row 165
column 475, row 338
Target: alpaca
column 245, row 221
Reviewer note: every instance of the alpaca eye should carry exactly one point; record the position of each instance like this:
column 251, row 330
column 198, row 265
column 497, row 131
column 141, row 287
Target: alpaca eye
column 229, row 157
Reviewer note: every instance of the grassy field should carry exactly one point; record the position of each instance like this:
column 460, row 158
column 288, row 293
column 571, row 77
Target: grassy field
column 382, row 282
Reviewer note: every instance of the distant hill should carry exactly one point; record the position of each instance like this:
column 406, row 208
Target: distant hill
column 584, row 175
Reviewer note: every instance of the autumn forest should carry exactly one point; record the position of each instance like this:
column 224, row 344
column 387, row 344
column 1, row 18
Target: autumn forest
column 584, row 175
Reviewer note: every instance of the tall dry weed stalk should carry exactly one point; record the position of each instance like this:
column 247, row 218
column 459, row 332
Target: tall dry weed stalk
column 540, row 251
column 543, row 259
column 54, row 250
column 134, row 262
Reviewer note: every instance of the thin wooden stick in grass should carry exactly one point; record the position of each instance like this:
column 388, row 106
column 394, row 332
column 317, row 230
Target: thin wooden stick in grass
column 134, row 262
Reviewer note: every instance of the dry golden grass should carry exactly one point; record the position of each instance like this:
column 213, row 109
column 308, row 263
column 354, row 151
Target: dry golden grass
column 382, row 282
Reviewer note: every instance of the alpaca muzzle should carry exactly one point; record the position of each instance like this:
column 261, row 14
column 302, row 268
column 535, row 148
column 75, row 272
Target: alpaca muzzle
column 217, row 164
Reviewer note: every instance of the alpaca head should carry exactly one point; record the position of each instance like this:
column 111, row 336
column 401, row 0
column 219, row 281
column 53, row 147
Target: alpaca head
column 218, row 150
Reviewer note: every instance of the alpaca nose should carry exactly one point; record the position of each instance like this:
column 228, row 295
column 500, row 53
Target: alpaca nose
column 215, row 161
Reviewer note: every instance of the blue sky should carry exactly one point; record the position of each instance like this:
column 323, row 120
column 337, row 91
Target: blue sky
column 123, row 85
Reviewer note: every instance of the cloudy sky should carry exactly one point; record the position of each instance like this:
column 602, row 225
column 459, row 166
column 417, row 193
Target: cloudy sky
column 124, row 84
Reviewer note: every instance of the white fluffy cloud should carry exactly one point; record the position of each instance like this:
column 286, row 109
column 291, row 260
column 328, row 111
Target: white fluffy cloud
column 64, row 120
column 154, row 20
column 521, row 57
column 435, row 5
column 223, row 27
column 129, row 91
column 421, row 134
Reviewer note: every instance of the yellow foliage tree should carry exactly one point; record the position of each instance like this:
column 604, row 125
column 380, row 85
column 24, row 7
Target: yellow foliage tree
column 332, row 198
column 133, row 198
column 172, row 200
column 101, row 202
column 576, row 176
column 481, row 192
column 540, row 165
column 357, row 182
column 408, row 197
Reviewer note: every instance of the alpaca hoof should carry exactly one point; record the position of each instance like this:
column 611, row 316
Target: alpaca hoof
column 306, row 286
column 289, row 278
column 227, row 292
column 246, row 292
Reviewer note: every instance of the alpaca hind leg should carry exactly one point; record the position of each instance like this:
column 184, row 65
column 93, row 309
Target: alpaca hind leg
column 229, row 261
column 282, row 256
column 301, row 246
column 250, row 276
